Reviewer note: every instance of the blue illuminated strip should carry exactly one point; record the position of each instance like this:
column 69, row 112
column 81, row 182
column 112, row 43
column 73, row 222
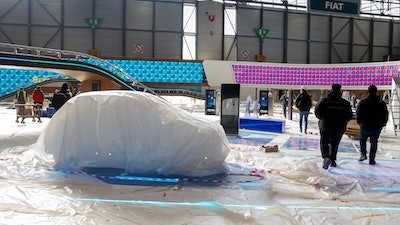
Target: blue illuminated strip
column 210, row 204
column 383, row 189
column 218, row 206
column 152, row 179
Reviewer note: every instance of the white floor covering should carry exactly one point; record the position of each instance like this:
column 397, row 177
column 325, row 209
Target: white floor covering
column 286, row 187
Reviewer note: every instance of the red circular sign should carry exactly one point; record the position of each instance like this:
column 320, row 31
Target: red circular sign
column 138, row 48
column 244, row 54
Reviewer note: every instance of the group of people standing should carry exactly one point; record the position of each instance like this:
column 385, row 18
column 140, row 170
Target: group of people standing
column 38, row 97
column 334, row 112
column 22, row 99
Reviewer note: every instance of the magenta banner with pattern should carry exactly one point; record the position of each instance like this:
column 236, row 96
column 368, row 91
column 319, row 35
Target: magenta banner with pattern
column 350, row 76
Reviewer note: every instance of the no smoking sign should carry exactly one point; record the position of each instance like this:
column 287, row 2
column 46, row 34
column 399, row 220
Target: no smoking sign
column 138, row 49
column 244, row 54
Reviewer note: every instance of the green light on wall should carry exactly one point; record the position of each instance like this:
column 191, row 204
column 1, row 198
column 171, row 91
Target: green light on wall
column 93, row 22
column 262, row 33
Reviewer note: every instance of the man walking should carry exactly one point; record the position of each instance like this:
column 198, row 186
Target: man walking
column 372, row 115
column 284, row 101
column 333, row 113
column 303, row 103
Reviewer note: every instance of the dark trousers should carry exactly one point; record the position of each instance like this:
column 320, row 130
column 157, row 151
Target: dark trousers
column 373, row 136
column 303, row 116
column 284, row 110
column 329, row 143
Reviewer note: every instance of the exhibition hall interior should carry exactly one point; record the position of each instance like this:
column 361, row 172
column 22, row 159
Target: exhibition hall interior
column 184, row 111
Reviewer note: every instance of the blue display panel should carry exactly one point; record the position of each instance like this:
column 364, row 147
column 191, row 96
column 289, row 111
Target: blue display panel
column 159, row 71
column 210, row 102
column 142, row 71
column 11, row 79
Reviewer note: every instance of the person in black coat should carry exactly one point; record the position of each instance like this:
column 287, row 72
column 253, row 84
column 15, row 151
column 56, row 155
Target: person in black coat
column 61, row 97
column 303, row 103
column 333, row 113
column 372, row 115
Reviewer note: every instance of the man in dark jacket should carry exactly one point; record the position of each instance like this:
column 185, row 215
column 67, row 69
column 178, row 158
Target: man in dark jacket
column 333, row 113
column 285, row 101
column 60, row 97
column 303, row 103
column 372, row 115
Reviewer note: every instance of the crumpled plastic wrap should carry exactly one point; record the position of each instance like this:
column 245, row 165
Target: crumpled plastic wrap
column 135, row 131
column 297, row 190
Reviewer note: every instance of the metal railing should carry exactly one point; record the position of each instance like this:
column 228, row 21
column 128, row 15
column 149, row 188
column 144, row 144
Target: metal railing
column 49, row 53
column 180, row 92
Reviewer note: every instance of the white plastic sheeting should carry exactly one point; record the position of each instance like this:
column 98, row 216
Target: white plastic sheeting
column 296, row 191
column 135, row 131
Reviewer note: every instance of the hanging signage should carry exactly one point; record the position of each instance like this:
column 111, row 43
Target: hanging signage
column 93, row 22
column 262, row 33
column 343, row 7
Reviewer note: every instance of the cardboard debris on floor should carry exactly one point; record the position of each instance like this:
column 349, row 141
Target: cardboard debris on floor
column 270, row 148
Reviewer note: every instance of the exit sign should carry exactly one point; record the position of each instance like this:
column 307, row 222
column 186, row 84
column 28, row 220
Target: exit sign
column 347, row 7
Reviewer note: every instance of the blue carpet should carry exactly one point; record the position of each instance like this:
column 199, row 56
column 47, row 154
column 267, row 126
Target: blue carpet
column 277, row 126
column 251, row 138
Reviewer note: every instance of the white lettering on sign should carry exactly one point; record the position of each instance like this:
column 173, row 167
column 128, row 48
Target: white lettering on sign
column 334, row 5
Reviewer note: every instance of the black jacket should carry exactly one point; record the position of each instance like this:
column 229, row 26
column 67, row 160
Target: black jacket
column 333, row 113
column 372, row 113
column 58, row 100
column 303, row 102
